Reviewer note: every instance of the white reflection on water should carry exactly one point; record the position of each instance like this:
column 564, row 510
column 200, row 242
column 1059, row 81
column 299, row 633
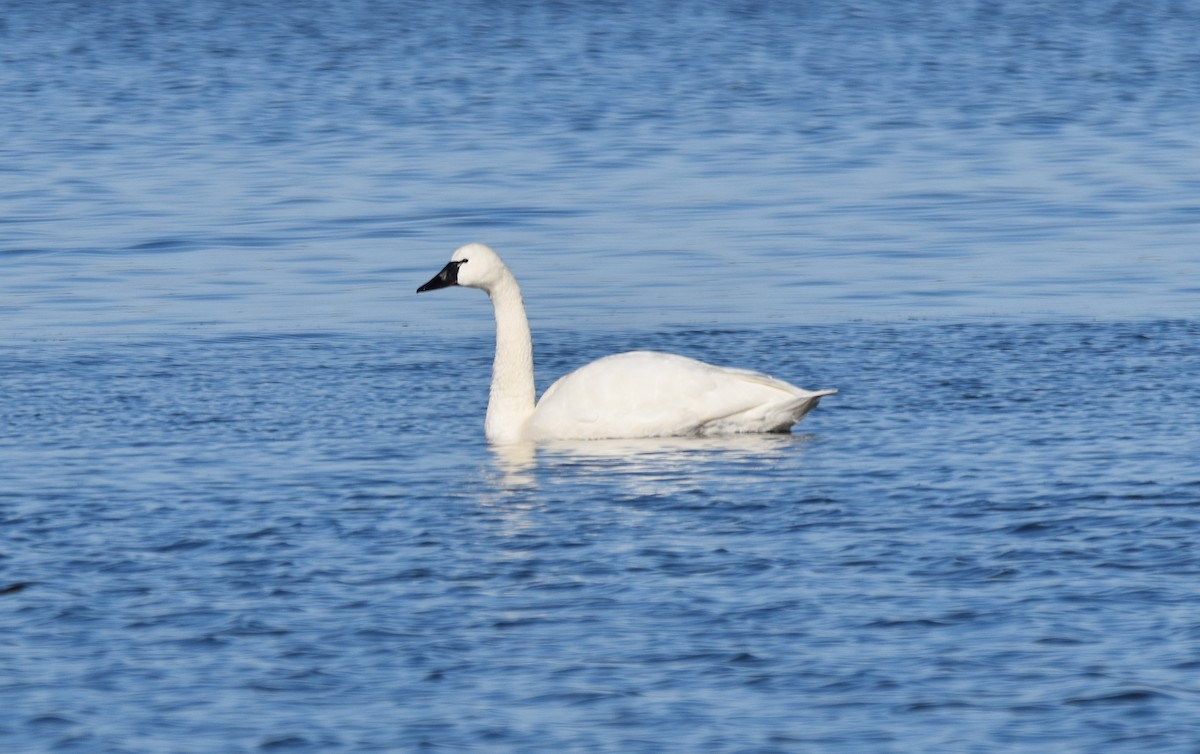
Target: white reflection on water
column 653, row 466
column 515, row 464
column 667, row 451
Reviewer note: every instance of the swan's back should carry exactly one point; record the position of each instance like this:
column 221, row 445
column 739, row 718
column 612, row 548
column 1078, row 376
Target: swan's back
column 651, row 394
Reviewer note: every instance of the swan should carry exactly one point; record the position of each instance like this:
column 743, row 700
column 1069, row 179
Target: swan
column 626, row 395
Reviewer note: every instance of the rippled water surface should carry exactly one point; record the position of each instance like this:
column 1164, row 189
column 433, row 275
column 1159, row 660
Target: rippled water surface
column 245, row 501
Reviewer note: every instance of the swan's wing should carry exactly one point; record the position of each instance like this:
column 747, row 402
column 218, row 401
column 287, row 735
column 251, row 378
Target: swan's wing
column 644, row 394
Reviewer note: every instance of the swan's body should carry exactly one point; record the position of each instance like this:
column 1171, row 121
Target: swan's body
column 635, row 394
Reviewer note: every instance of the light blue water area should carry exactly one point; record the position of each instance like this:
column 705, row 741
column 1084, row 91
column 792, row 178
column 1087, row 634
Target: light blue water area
column 245, row 501
column 251, row 166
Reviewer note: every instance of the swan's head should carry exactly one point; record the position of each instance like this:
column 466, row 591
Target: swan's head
column 474, row 265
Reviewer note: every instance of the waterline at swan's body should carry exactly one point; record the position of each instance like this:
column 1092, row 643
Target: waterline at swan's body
column 635, row 394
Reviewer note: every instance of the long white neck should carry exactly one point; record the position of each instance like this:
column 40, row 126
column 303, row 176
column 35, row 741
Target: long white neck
column 511, row 401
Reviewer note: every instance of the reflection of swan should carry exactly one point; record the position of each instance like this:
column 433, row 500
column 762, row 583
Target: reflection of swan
column 515, row 462
column 641, row 466
column 668, row 467
column 636, row 394
column 639, row 449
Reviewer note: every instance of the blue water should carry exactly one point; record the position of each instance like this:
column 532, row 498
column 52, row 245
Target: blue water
column 245, row 501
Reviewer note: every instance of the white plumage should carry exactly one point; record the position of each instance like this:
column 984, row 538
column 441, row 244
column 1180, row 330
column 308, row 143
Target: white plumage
column 635, row 394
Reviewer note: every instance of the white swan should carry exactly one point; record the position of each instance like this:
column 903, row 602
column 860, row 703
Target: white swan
column 635, row 394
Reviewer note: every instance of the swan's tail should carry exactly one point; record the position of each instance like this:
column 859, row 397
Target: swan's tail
column 795, row 410
column 810, row 401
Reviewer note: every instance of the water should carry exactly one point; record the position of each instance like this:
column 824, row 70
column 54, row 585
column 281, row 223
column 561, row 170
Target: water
column 245, row 497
